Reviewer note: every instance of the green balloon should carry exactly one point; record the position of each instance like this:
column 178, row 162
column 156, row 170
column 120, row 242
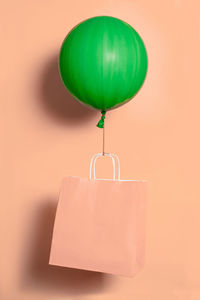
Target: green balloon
column 103, row 62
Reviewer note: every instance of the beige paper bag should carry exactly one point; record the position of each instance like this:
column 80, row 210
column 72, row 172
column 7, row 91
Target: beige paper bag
column 100, row 224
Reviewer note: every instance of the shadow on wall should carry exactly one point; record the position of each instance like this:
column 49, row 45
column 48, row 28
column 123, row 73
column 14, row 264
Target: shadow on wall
column 38, row 275
column 57, row 101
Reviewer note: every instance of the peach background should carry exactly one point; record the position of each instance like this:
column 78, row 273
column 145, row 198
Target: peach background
column 45, row 135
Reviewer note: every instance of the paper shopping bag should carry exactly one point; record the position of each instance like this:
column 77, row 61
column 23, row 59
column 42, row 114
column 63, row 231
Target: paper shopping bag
column 100, row 224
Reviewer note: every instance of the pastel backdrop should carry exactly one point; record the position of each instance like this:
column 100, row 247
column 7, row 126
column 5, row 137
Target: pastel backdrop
column 156, row 137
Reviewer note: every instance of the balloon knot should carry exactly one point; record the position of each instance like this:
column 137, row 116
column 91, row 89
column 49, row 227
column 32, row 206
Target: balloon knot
column 101, row 121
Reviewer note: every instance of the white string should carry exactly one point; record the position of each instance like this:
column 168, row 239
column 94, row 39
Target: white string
column 118, row 164
column 93, row 164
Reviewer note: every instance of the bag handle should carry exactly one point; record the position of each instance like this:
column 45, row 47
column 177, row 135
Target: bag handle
column 112, row 156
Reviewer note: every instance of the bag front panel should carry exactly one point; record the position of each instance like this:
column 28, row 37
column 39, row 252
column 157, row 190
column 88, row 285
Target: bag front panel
column 99, row 225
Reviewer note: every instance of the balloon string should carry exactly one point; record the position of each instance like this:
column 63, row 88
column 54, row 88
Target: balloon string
column 101, row 121
column 103, row 139
column 102, row 125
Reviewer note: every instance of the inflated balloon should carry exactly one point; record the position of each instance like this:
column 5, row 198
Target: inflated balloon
column 103, row 63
